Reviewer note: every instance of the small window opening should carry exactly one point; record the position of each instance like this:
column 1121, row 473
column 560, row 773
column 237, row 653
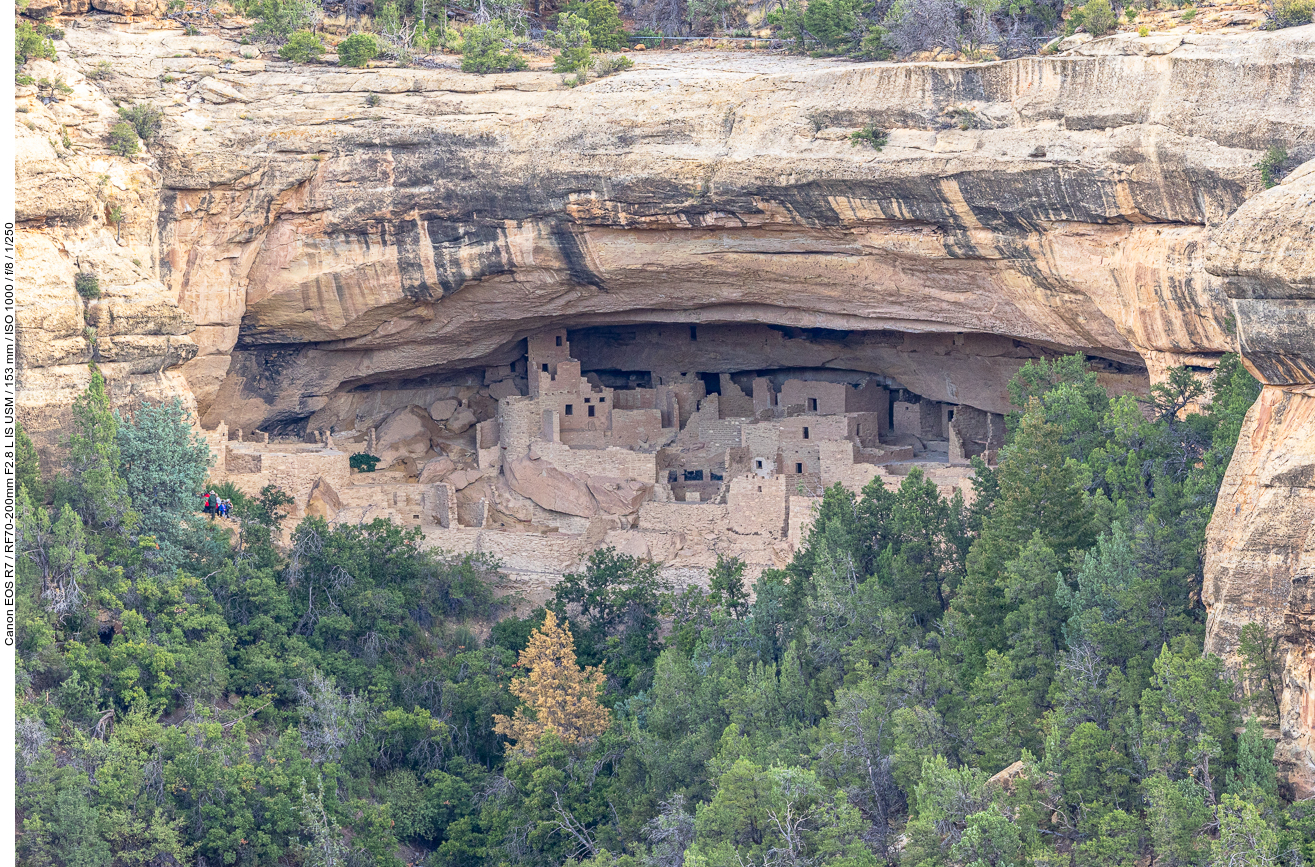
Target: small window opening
column 591, row 412
column 951, row 416
column 758, row 464
column 559, row 340
column 545, row 367
column 799, row 469
column 805, row 433
column 570, row 409
column 812, row 404
column 760, row 489
column 602, row 400
column 858, row 429
column 693, row 332
column 588, row 400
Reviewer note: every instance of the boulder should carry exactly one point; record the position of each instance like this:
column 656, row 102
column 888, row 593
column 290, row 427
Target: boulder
column 408, row 432
column 324, row 501
column 629, row 542
column 436, row 470
column 461, row 421
column 617, row 496
column 505, row 388
column 441, row 410
column 218, row 92
column 464, row 478
column 549, row 487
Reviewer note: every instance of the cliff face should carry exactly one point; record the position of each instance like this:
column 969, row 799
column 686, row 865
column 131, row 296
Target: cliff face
column 286, row 241
column 321, row 243
column 1260, row 556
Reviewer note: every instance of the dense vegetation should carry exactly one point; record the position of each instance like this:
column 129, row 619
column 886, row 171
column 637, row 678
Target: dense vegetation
column 212, row 693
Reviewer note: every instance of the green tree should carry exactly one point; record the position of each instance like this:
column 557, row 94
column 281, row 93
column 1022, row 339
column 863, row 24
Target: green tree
column 575, row 50
column 618, row 599
column 100, row 494
column 1040, row 493
column 164, row 464
column 606, row 30
column 27, row 465
column 1246, row 838
column 302, row 47
column 123, row 139
column 489, row 48
column 277, row 20
column 31, row 44
column 145, row 119
column 357, row 50
column 1187, row 713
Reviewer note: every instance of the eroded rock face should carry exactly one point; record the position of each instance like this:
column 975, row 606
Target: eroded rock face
column 320, row 243
column 82, row 210
column 1260, row 554
column 284, row 243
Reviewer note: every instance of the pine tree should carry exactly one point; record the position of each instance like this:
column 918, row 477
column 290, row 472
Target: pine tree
column 164, row 465
column 100, row 494
column 27, row 465
column 562, row 697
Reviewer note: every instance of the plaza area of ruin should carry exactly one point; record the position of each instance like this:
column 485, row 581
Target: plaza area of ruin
column 539, row 462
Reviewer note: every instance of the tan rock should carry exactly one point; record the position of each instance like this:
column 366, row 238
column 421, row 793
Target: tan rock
column 549, row 487
column 461, row 479
column 436, row 470
column 461, row 421
column 442, row 410
column 324, row 501
column 407, row 432
column 618, row 496
column 503, row 388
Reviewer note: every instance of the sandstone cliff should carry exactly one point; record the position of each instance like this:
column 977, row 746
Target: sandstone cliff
column 285, row 241
column 320, row 243
column 1260, row 557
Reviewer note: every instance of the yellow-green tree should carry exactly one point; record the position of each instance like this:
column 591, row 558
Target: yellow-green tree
column 561, row 697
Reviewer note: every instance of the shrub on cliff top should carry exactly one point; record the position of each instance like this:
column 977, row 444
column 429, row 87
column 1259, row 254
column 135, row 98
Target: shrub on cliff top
column 1096, row 17
column 357, row 50
column 489, row 48
column 1290, row 13
column 302, row 47
column 276, row 20
column 606, row 32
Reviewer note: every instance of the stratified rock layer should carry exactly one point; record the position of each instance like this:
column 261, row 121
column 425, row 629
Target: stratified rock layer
column 1260, row 554
column 320, row 243
column 284, row 241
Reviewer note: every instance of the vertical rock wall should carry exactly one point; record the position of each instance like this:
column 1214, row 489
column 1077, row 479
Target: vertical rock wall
column 1260, row 549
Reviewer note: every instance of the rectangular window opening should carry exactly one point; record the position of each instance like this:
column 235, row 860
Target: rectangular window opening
column 805, row 433
column 545, row 367
column 760, row 489
column 591, row 412
column 602, row 400
column 559, row 340
column 812, row 404
column 570, row 409
column 759, row 464
column 799, row 469
column 693, row 332
column 858, row 429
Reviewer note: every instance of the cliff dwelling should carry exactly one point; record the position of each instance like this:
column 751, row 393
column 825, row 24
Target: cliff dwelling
column 673, row 442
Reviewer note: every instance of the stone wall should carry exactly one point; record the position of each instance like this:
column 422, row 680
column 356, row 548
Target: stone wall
column 612, row 462
column 820, row 398
column 757, row 505
column 636, row 428
column 294, row 472
column 689, row 518
column 734, row 402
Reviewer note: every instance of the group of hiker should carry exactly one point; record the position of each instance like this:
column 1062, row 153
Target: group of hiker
column 213, row 505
